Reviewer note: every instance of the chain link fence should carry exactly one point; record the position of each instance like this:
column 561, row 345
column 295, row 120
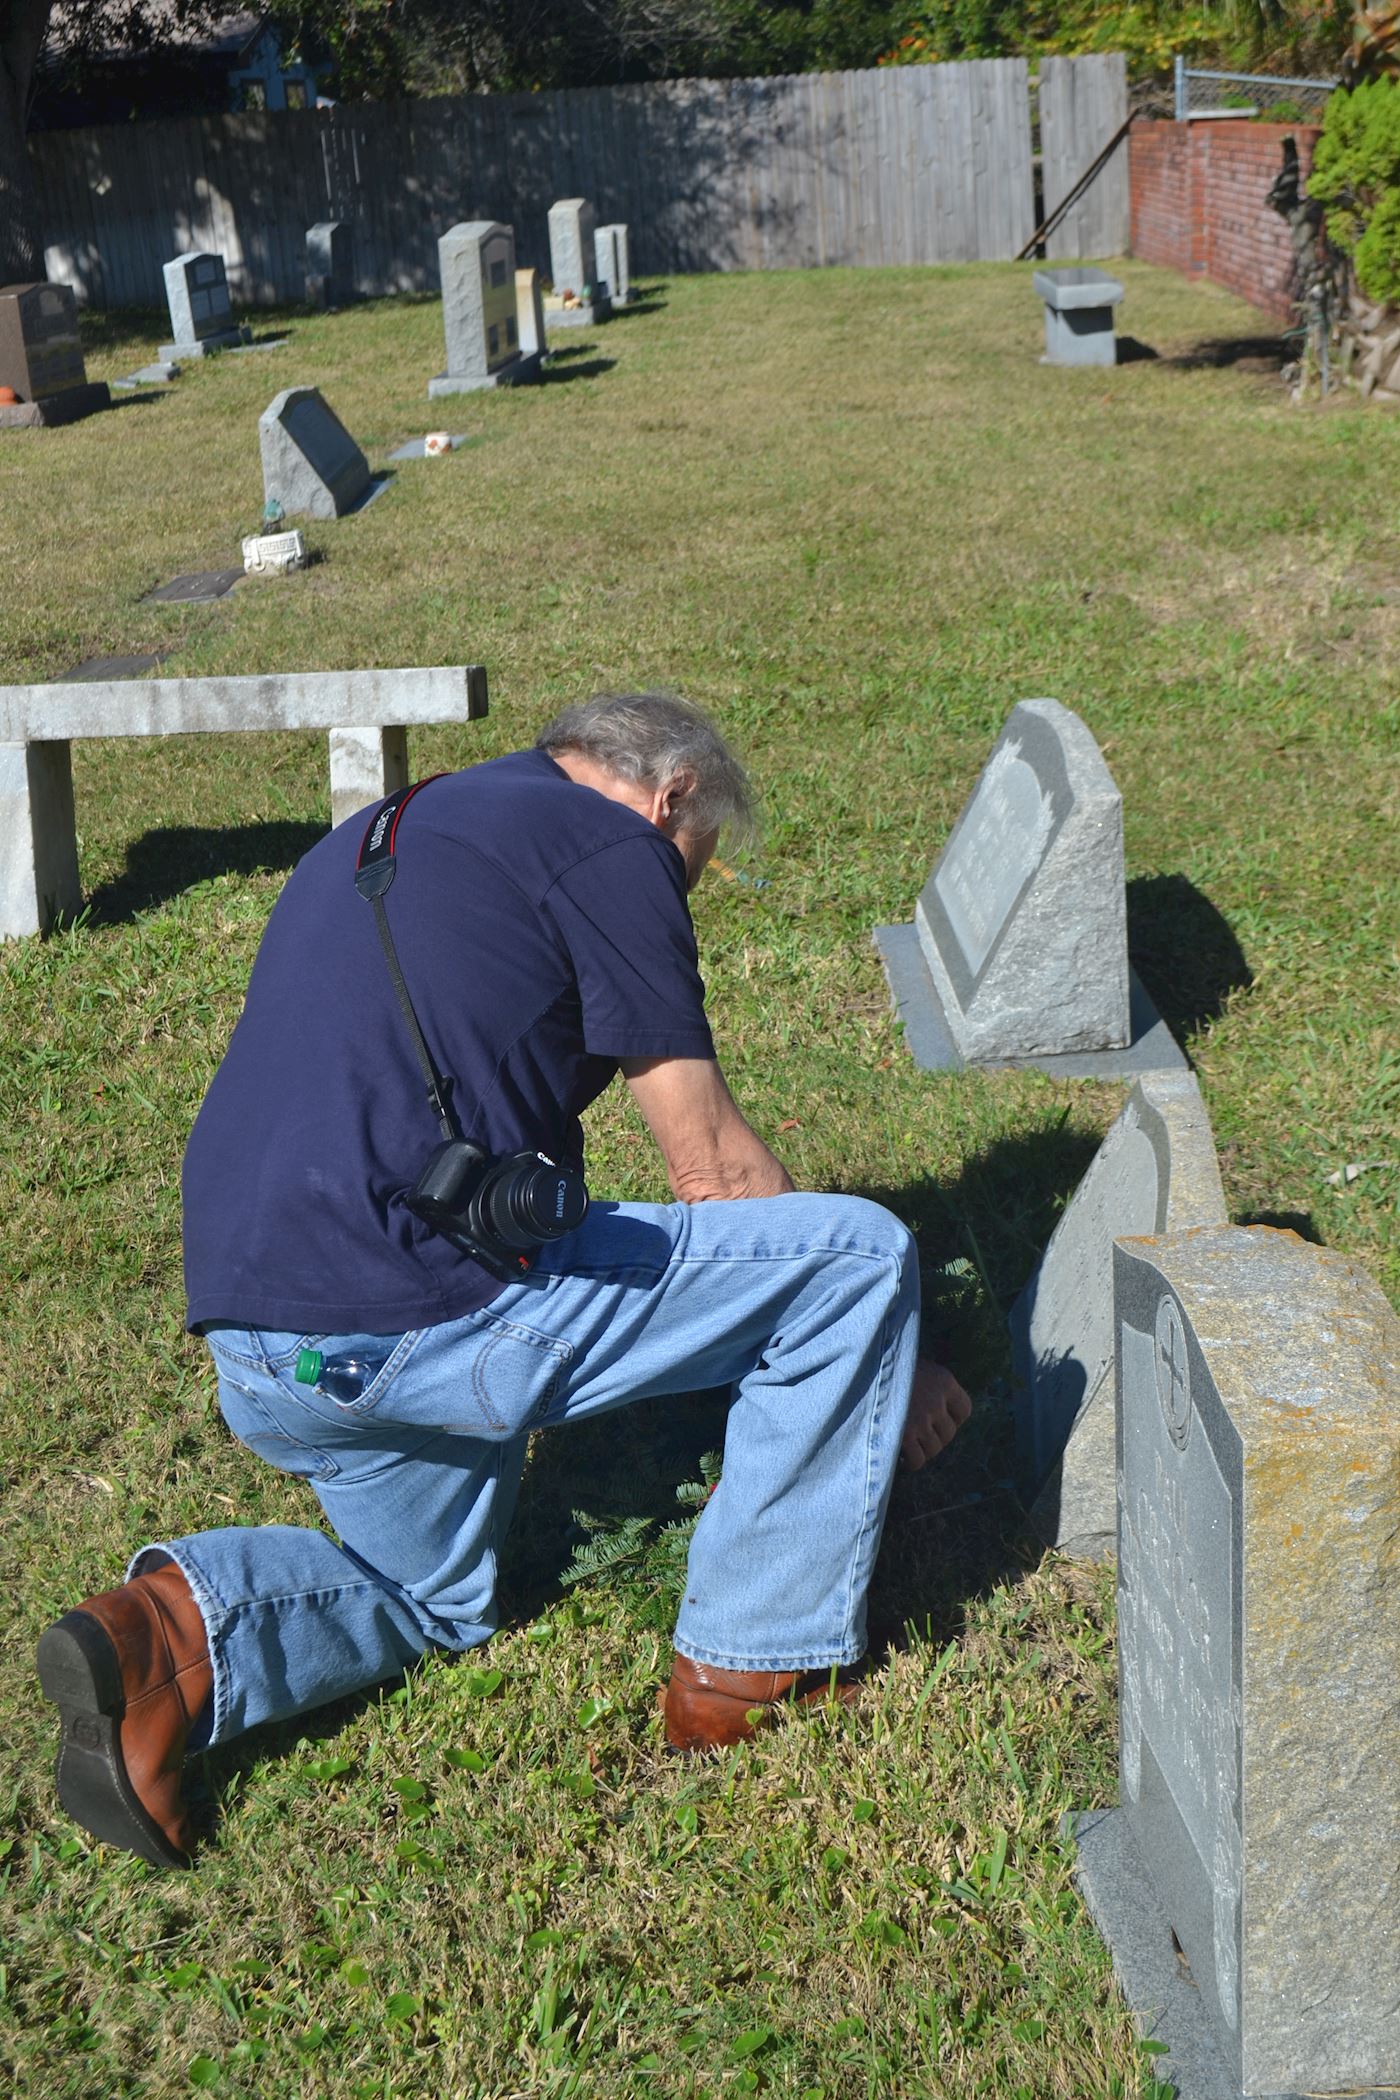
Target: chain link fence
column 1268, row 95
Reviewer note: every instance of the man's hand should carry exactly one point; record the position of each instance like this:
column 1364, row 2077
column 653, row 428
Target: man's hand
column 938, row 1407
column 709, row 1150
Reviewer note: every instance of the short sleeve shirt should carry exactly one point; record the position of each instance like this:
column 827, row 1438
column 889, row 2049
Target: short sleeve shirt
column 544, row 933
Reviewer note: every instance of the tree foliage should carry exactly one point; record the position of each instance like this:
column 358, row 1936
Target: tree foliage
column 1356, row 175
column 1279, row 35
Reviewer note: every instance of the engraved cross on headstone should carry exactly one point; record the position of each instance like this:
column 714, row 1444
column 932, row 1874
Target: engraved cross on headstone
column 1173, row 1371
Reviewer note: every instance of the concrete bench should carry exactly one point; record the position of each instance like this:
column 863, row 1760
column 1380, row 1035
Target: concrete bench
column 368, row 715
column 1079, row 307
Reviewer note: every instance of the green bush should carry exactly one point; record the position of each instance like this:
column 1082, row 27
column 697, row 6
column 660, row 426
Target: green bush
column 1356, row 174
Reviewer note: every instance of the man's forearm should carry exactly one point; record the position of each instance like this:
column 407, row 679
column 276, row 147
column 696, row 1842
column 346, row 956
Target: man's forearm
column 744, row 1168
column 711, row 1153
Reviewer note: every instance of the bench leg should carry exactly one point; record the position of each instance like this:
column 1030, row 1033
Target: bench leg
column 366, row 765
column 38, row 838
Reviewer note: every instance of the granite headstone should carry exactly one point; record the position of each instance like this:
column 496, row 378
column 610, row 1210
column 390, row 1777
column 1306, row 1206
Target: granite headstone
column 476, row 261
column 41, row 356
column 312, row 467
column 330, row 263
column 573, row 266
column 1018, row 953
column 1258, row 1634
column 201, row 318
column 1156, row 1171
column 613, row 273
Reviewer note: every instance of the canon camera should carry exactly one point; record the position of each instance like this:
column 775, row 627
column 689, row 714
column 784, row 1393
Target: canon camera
column 500, row 1211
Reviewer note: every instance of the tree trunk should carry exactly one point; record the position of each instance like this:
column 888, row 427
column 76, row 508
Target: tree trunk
column 22, row 27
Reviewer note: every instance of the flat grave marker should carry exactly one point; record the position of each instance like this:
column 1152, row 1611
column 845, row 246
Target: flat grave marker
column 41, row 358
column 1018, row 954
column 198, row 588
column 476, row 261
column 1156, row 1171
column 1258, row 1627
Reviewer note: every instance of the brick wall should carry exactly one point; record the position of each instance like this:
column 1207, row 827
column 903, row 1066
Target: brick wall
column 1198, row 203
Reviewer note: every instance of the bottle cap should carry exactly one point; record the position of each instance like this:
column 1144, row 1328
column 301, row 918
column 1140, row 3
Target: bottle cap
column 310, row 1365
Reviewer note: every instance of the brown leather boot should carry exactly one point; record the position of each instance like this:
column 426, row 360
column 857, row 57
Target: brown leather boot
column 129, row 1672
column 706, row 1707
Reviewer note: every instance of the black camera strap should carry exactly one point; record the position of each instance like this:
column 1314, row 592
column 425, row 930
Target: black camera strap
column 374, row 871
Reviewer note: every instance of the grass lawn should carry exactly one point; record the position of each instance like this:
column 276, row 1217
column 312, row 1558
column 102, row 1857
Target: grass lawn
column 852, row 514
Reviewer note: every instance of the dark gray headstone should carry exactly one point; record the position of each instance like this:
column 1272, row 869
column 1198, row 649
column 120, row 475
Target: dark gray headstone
column 311, row 465
column 1156, row 1171
column 41, row 354
column 1258, row 1411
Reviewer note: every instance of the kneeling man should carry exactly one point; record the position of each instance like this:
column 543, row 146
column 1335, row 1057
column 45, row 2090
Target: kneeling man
column 396, row 1335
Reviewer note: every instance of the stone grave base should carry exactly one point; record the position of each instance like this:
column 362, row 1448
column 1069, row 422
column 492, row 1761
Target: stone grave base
column 209, row 346
column 1153, row 1047
column 147, row 375
column 68, row 407
column 521, row 371
column 1152, row 1975
column 94, row 668
column 195, row 589
column 585, row 315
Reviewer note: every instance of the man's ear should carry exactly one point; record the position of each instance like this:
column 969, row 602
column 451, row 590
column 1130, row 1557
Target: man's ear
column 673, row 798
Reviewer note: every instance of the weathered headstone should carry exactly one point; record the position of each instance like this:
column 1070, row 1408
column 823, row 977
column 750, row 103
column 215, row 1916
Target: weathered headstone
column 1258, row 1636
column 476, row 261
column 330, row 263
column 1019, row 949
column 311, row 465
column 201, row 318
column 1156, row 1171
column 1079, row 307
column 613, row 273
column 576, row 299
column 529, row 313
column 41, row 357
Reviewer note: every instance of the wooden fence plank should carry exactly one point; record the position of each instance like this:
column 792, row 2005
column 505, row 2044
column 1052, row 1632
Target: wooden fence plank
column 1083, row 101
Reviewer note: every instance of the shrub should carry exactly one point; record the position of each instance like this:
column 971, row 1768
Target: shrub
column 1356, row 175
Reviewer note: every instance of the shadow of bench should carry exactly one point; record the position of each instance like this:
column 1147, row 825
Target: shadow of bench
column 367, row 713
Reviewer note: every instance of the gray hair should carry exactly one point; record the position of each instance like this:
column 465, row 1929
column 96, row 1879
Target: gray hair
column 650, row 739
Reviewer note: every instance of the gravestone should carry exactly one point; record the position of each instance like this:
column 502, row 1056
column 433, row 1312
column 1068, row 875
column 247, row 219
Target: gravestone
column 476, row 261
column 41, row 357
column 529, row 313
column 330, row 263
column 201, row 318
column 1079, row 307
column 311, row 465
column 613, row 273
column 1258, row 1631
column 1018, row 954
column 1155, row 1172
column 576, row 299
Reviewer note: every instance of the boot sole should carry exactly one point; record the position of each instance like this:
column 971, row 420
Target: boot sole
column 80, row 1674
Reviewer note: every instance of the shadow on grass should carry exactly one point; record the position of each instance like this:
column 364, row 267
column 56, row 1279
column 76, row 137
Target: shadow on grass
column 1131, row 352
column 636, row 307
column 1185, row 952
column 559, row 369
column 1212, row 353
column 162, row 863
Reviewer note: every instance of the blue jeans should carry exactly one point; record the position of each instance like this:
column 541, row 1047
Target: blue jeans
column 807, row 1305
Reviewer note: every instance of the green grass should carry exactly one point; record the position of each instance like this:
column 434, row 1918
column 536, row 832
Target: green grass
column 852, row 514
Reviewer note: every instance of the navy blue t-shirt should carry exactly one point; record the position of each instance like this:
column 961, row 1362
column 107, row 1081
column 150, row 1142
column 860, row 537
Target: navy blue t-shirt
column 544, row 934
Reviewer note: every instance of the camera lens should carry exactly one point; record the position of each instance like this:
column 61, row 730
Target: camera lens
column 529, row 1200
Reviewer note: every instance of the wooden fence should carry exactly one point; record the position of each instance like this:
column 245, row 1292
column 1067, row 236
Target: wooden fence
column 907, row 164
